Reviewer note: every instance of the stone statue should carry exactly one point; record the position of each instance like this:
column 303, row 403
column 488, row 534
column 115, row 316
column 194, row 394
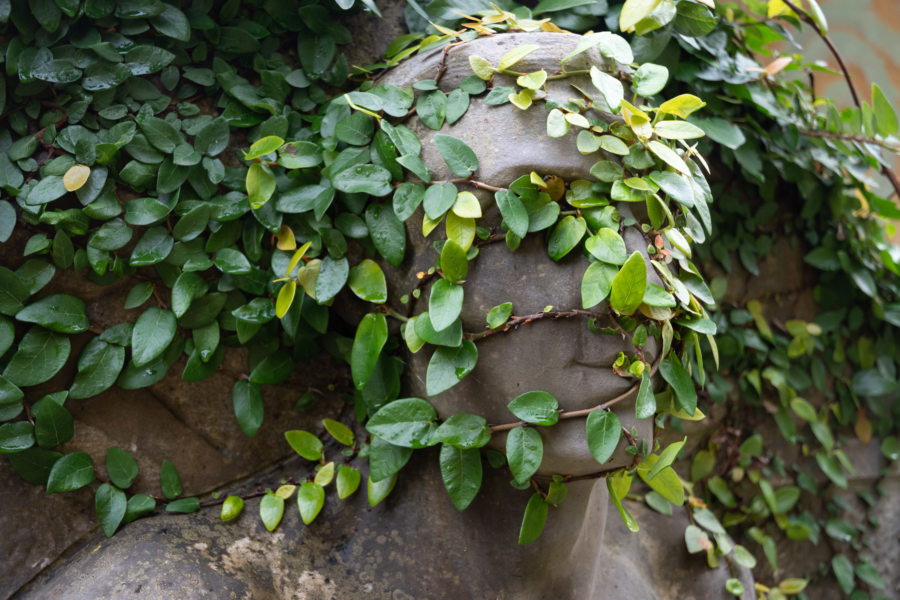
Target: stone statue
column 416, row 544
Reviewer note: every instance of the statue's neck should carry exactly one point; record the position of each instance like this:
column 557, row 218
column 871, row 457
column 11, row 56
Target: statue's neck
column 473, row 553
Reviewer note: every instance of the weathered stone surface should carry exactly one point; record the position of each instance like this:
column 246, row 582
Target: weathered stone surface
column 414, row 545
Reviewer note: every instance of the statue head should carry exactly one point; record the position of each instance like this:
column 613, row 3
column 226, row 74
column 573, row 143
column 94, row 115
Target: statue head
column 571, row 358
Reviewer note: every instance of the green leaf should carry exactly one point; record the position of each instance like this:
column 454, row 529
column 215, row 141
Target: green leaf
column 71, row 472
column 678, row 130
column 645, row 404
column 454, row 264
column 461, row 472
column 260, row 184
column 15, row 437
column 247, row 401
column 607, row 246
column 98, row 368
column 153, row 332
column 138, row 506
column 39, row 356
column 609, row 86
column 121, row 467
column 634, row 11
column 109, row 504
column 666, row 483
column 169, row 480
column 310, row 500
column 457, row 154
column 144, row 59
column 53, row 425
column 533, row 522
column 890, row 448
column 213, row 138
column 355, row 129
column 596, row 283
column 536, row 407
column 232, row 508
column 34, row 464
column 565, row 236
column 444, row 304
column 367, row 282
column 371, row 335
column 524, row 452
column 439, row 198
column 304, row 443
column 431, row 109
column 59, row 312
column 650, row 79
column 271, row 510
column 843, row 571
column 387, row 232
column 885, row 117
column 545, row 6
column 677, row 376
column 448, row 366
column 669, row 156
column 694, row 20
column 183, row 506
column 385, row 459
column 451, row 337
column 603, row 432
column 463, row 430
column 832, row 468
column 13, row 292
column 333, row 275
column 666, row 458
column 299, row 155
column 160, row 133
column 173, row 23
column 513, row 56
column 348, row 480
column 407, row 422
column 10, row 398
column 629, row 285
column 379, row 490
column 457, row 105
column 339, row 431
column 48, row 189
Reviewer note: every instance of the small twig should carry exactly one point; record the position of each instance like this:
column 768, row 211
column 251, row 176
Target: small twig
column 514, row 321
column 850, row 138
column 885, row 170
column 573, row 414
column 254, row 494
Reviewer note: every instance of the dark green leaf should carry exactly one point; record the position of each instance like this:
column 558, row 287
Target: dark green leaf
column 645, row 404
column 152, row 334
column 371, row 335
column 71, row 472
column 172, row 23
column 248, row 406
column 363, row 179
column 39, row 356
column 565, row 236
column 451, row 337
column 34, row 464
column 138, row 506
column 463, row 430
column 534, row 519
column 461, row 472
column 169, row 480
column 53, row 425
column 121, row 467
column 387, row 232
column 432, row 109
column 385, row 459
column 15, row 437
column 682, row 385
column 448, row 366
column 515, row 216
column 109, row 504
column 444, row 304
column 273, row 369
column 407, row 422
column 524, row 452
column 596, row 283
column 333, row 275
column 183, row 506
column 457, row 154
column 59, row 312
column 536, row 407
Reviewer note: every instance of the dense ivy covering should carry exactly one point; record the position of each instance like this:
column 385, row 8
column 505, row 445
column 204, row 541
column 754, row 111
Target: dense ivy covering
column 219, row 157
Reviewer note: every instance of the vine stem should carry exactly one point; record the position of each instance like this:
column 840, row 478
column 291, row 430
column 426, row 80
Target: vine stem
column 885, row 170
column 525, row 319
column 574, row 414
column 850, row 138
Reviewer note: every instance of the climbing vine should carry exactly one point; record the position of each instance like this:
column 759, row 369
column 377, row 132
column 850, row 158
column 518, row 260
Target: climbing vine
column 229, row 161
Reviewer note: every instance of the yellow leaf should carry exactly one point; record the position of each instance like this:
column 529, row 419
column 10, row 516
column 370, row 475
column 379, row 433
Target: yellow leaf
column 308, row 275
column 285, row 238
column 76, row 177
column 523, row 99
column 682, row 105
column 296, row 258
column 515, row 55
column 285, row 491
column 467, row 205
column 481, row 67
column 285, row 298
column 428, row 225
column 778, row 7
